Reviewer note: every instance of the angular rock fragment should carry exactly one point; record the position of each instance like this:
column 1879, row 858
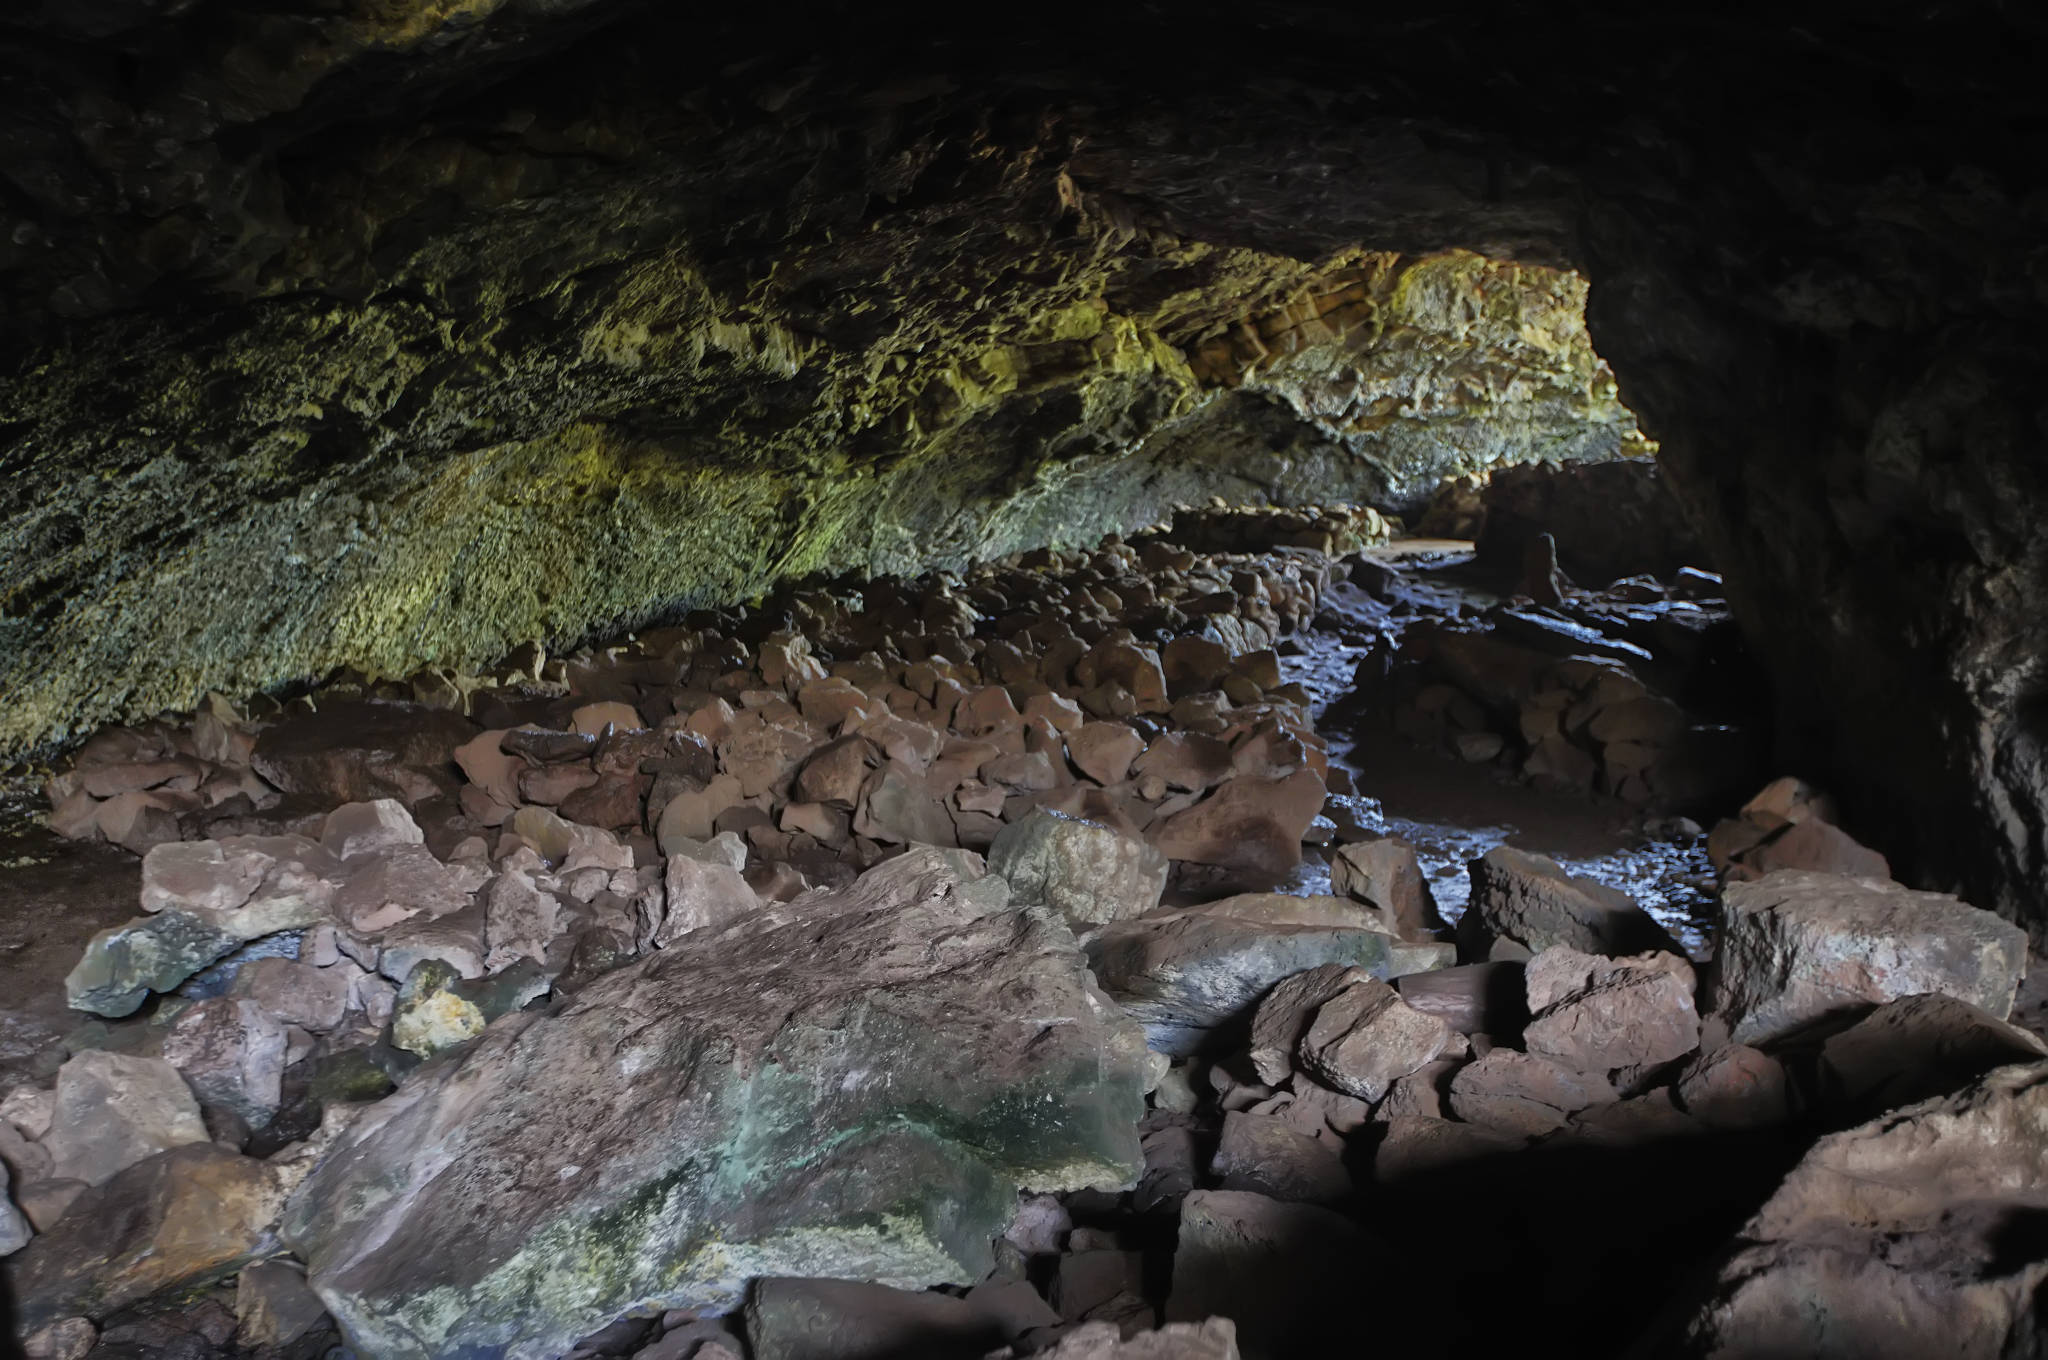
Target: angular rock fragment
column 15, row 1230
column 1736, row 1087
column 702, row 894
column 273, row 1305
column 1920, row 1047
column 363, row 828
column 1185, row 975
column 296, row 993
column 354, row 752
column 166, row 1224
column 1530, row 900
column 1796, row 948
column 1088, row 873
column 1473, row 998
column 1386, row 874
column 1284, row 1014
column 791, row 1319
column 232, row 1054
column 200, row 875
column 1594, row 1014
column 1365, row 1038
column 903, row 1057
column 113, row 1110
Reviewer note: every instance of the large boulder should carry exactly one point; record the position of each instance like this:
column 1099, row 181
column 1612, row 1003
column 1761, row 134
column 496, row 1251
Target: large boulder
column 854, row 1084
column 1274, row 1269
column 1185, row 975
column 1797, row 948
column 1906, row 1237
column 167, row 1224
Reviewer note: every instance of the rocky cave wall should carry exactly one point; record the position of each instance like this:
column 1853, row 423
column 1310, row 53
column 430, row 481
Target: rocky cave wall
column 386, row 333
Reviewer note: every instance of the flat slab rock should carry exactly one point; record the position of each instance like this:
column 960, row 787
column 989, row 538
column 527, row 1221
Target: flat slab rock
column 1799, row 947
column 1185, row 974
column 1894, row 1240
column 852, row 1084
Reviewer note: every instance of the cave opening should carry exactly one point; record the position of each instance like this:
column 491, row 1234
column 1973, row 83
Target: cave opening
column 834, row 684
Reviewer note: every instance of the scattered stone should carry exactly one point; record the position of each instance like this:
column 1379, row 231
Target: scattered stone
column 1386, row 873
column 705, row 893
column 1270, row 1267
column 232, row 1054
column 1366, row 1037
column 1087, row 872
column 1092, row 1280
column 273, row 1305
column 807, row 1037
column 1632, row 1123
column 430, row 1016
column 1274, row 1157
column 1523, row 1095
column 1735, row 1088
column 113, row 1110
column 1920, row 1047
column 1416, row 1144
column 1812, row 844
column 200, row 875
column 1284, row 1015
column 296, row 993
column 363, row 828
column 164, row 1225
column 1797, row 948
column 1530, row 900
column 29, row 1109
column 1040, row 1226
column 1185, row 975
column 1594, row 1014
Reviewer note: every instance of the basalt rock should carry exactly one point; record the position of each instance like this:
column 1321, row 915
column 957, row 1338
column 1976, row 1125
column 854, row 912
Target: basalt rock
column 854, row 1084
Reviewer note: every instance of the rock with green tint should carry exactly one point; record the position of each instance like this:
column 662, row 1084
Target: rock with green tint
column 438, row 1009
column 1194, row 977
column 852, row 1085
column 123, row 964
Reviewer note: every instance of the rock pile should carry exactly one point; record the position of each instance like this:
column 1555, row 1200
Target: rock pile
column 664, row 1002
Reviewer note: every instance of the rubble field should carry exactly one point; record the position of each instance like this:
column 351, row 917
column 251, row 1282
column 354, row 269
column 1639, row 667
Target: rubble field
column 1254, row 938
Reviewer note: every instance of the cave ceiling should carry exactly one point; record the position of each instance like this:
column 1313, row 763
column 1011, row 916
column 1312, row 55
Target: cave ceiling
column 387, row 332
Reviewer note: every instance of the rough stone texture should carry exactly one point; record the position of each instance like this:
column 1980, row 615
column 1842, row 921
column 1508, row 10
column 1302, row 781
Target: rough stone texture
column 273, row 1304
column 1275, row 1157
column 1919, row 1047
column 1530, row 900
column 1797, row 947
column 1249, row 823
column 1185, row 975
column 1417, row 1144
column 1735, row 1087
column 1520, row 1094
column 1284, row 1015
column 1211, row 1339
column 113, row 1110
column 1386, row 874
column 1593, row 1014
column 1894, row 1239
column 855, row 1083
column 1089, row 873
column 232, row 1054
column 1365, row 1038
column 172, row 1221
column 15, row 1229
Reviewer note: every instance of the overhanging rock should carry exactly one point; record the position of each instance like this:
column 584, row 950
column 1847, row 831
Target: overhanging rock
column 854, row 1085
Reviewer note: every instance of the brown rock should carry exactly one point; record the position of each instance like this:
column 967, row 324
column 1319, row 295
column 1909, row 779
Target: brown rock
column 1594, row 1014
column 1386, row 874
column 692, row 814
column 703, row 894
column 613, row 802
column 1063, row 713
column 1285, row 1013
column 176, row 1220
column 296, row 993
column 1919, row 1047
column 1248, row 823
column 1735, row 1087
column 1104, row 751
column 1636, row 1122
column 1187, row 761
column 1366, row 1037
column 1274, row 1157
column 1812, row 844
column 1191, row 664
column 1475, row 998
column 1524, row 1095
column 490, row 767
column 136, row 822
column 1530, row 900
column 897, row 808
column 352, row 752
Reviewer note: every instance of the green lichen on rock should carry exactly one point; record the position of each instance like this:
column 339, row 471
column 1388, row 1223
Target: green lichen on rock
column 574, row 401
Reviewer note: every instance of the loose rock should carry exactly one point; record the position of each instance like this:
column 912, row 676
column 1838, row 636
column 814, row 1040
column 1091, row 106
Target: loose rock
column 1087, row 872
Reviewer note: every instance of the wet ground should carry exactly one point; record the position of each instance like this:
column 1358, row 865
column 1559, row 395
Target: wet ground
column 1453, row 812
